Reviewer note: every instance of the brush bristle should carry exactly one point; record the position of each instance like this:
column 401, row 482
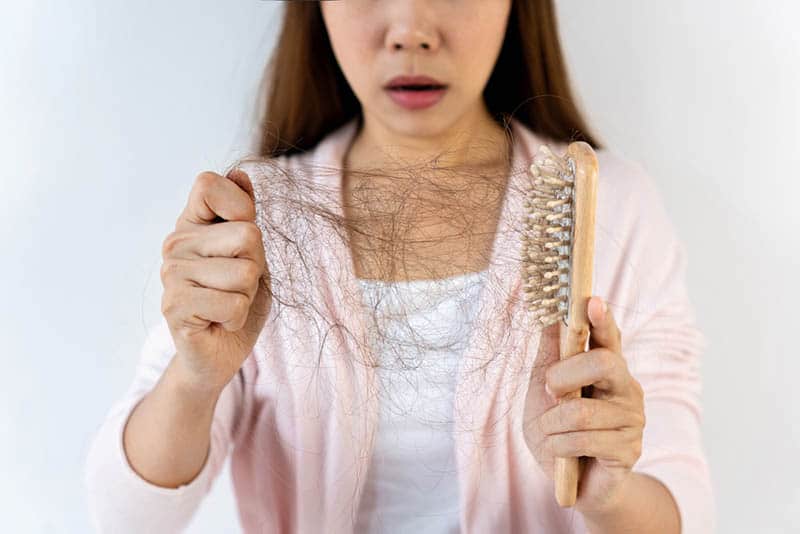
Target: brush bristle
column 547, row 237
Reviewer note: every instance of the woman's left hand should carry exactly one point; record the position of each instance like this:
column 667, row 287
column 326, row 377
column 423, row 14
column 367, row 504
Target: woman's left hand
column 606, row 425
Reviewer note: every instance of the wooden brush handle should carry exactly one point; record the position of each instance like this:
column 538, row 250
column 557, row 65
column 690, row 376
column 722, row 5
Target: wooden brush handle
column 575, row 334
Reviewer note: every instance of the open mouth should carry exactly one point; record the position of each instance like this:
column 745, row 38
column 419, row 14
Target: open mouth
column 416, row 87
column 414, row 96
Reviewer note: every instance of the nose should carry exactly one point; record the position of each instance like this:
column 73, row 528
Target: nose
column 412, row 32
column 409, row 41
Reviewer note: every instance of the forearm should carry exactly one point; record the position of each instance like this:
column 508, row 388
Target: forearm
column 645, row 506
column 167, row 436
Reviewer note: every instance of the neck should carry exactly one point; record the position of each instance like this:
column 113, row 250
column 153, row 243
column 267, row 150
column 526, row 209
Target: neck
column 476, row 141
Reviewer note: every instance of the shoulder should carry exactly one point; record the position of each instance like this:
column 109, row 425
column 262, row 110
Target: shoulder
column 270, row 176
column 640, row 259
column 628, row 197
column 280, row 186
column 314, row 167
column 630, row 205
column 624, row 181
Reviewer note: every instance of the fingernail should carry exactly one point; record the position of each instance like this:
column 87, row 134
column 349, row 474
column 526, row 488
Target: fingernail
column 605, row 306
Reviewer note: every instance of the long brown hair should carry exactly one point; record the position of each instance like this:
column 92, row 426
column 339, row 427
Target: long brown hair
column 305, row 96
column 529, row 82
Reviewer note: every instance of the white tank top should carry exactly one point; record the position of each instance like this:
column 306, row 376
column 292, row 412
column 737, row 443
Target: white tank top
column 419, row 331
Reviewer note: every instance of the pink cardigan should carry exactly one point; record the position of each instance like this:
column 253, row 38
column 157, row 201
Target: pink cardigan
column 300, row 415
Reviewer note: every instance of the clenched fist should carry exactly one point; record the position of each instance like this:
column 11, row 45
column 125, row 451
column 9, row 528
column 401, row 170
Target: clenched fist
column 216, row 282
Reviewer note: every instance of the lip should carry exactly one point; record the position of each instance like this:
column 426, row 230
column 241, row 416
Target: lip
column 412, row 80
column 413, row 100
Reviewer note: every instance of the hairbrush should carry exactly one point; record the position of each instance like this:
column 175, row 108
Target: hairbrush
column 558, row 255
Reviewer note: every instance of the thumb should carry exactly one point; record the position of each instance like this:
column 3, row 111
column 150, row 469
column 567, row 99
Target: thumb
column 261, row 305
column 603, row 331
column 241, row 178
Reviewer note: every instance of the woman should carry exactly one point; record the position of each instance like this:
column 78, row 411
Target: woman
column 343, row 309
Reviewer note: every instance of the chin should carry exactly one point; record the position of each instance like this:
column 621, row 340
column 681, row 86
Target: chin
column 420, row 123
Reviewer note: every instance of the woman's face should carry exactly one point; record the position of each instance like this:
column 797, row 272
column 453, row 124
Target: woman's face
column 456, row 42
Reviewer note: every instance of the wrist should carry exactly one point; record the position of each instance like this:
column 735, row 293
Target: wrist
column 611, row 505
column 642, row 504
column 189, row 385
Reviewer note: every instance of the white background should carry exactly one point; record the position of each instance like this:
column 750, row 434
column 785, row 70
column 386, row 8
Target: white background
column 108, row 110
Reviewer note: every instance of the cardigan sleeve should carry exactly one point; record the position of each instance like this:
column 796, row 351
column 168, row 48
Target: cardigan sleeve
column 119, row 499
column 661, row 342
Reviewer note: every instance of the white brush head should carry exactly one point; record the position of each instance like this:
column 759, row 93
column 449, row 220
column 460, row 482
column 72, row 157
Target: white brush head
column 548, row 235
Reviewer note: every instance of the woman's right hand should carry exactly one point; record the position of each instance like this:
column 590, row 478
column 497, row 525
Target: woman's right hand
column 216, row 281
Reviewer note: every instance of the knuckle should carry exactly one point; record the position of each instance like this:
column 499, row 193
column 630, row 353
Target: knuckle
column 205, row 180
column 586, row 415
column 579, row 442
column 168, row 268
column 605, row 361
column 237, row 312
column 250, row 272
column 235, row 323
column 170, row 243
column 174, row 241
column 582, row 413
column 251, row 236
column 584, row 441
column 240, row 304
column 168, row 304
